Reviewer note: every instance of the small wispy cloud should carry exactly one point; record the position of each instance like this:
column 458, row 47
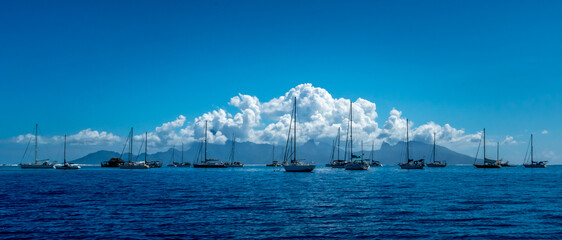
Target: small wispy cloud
column 509, row 140
column 544, row 132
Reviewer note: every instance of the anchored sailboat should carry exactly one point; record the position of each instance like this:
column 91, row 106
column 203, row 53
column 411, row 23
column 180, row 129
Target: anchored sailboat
column 66, row 165
column 503, row 163
column 173, row 161
column 183, row 164
column 208, row 162
column 488, row 163
column 410, row 163
column 533, row 164
column 372, row 157
column 290, row 161
column 38, row 163
column 434, row 162
column 336, row 161
column 135, row 165
column 357, row 162
column 274, row 163
column 232, row 162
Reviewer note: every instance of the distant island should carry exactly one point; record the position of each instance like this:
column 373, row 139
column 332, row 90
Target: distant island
column 252, row 153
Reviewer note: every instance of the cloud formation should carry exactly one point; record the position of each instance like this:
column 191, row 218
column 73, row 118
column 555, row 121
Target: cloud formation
column 319, row 116
column 84, row 137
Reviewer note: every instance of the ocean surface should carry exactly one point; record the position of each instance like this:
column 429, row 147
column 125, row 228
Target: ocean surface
column 268, row 203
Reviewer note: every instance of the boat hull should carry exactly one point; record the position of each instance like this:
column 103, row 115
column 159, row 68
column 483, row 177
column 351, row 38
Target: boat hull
column 37, row 166
column 67, row 168
column 208, row 166
column 436, row 165
column 299, row 168
column 410, row 166
column 273, row 165
column 356, row 166
column 534, row 166
column 487, row 166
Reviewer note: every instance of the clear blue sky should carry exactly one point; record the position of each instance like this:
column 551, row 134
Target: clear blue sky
column 108, row 65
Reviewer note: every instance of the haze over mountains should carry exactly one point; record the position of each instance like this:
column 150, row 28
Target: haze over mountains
column 251, row 153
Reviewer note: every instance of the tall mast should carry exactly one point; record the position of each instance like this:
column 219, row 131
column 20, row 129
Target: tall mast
column 498, row 156
column 131, row 147
column 173, row 154
column 233, row 145
column 407, row 140
column 36, row 126
column 351, row 128
column 205, row 141
column 532, row 157
column 295, row 131
column 339, row 143
column 64, row 149
column 145, row 145
column 434, row 148
column 182, row 152
column 273, row 154
column 484, row 145
column 362, row 153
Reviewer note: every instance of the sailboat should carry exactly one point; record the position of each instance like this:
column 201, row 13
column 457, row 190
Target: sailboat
column 38, row 163
column 434, row 162
column 274, row 163
column 533, row 164
column 503, row 163
column 488, row 163
column 135, row 165
column 182, row 163
column 208, row 162
column 372, row 157
column 357, row 162
column 290, row 161
column 173, row 163
column 66, row 165
column 410, row 163
column 336, row 162
column 232, row 162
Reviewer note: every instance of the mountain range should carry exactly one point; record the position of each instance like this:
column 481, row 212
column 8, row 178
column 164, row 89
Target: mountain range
column 319, row 153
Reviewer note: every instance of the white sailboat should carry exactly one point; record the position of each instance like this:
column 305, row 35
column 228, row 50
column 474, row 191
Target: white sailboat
column 372, row 157
column 533, row 163
column 357, row 162
column 290, row 162
column 40, row 164
column 135, row 165
column 410, row 163
column 66, row 165
column 274, row 163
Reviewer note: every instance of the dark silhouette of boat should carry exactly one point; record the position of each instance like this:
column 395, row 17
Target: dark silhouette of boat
column 488, row 163
column 410, row 163
column 533, row 163
column 207, row 162
column 434, row 162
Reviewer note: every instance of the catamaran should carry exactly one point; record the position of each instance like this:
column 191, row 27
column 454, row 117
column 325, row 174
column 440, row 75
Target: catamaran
column 66, row 165
column 357, row 162
column 336, row 162
column 208, row 162
column 434, row 162
column 533, row 164
column 135, row 165
column 38, row 163
column 488, row 163
column 232, row 162
column 290, row 161
column 410, row 163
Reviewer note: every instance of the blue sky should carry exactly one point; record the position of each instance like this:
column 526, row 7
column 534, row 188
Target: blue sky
column 109, row 65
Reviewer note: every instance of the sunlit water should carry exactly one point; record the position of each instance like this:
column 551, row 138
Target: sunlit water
column 260, row 202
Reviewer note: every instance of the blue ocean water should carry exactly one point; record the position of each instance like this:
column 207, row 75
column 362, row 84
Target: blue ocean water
column 260, row 202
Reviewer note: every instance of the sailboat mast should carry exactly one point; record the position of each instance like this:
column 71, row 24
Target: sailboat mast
column 498, row 156
column 484, row 145
column 233, row 146
column 131, row 147
column 407, row 140
column 64, row 158
column 145, row 145
column 434, row 148
column 36, row 126
column 351, row 128
column 205, row 141
column 181, row 152
column 532, row 154
column 339, row 143
column 295, row 131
